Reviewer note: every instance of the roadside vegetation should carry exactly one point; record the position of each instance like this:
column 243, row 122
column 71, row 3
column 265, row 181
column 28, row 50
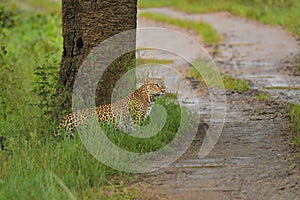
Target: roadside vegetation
column 294, row 115
column 284, row 13
column 263, row 96
column 34, row 164
column 143, row 61
column 44, row 6
column 207, row 33
column 273, row 12
column 211, row 77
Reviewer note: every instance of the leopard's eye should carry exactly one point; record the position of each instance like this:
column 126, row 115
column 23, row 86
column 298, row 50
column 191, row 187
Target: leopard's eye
column 156, row 84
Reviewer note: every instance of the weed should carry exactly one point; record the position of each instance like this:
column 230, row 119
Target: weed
column 294, row 116
column 284, row 13
column 46, row 86
column 296, row 140
column 119, row 190
column 33, row 164
column 238, row 85
column 206, row 74
column 211, row 77
column 6, row 21
column 208, row 34
column 292, row 166
column 6, row 17
column 282, row 88
column 50, row 7
column 262, row 96
column 162, row 138
column 143, row 61
column 113, row 191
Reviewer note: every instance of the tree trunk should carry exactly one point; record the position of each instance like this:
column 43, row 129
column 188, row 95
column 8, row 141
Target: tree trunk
column 86, row 23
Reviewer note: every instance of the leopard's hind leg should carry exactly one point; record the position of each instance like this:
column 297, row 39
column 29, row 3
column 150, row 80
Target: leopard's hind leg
column 66, row 125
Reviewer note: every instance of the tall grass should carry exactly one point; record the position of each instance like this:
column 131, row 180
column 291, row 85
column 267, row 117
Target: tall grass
column 28, row 41
column 284, row 13
column 34, row 164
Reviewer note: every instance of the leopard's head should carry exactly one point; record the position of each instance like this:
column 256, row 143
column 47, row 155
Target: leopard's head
column 153, row 88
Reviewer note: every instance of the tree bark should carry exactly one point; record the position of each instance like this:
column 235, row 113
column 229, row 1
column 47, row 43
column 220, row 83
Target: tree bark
column 86, row 23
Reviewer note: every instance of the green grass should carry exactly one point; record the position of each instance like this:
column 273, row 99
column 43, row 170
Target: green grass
column 31, row 168
column 143, row 61
column 163, row 137
column 31, row 158
column 262, row 96
column 282, row 88
column 122, row 191
column 294, row 116
column 208, row 34
column 113, row 192
column 41, row 6
column 238, row 85
column 30, row 40
column 284, row 13
column 34, row 164
column 211, row 77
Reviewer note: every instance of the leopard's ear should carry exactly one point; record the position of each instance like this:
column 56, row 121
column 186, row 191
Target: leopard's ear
column 149, row 80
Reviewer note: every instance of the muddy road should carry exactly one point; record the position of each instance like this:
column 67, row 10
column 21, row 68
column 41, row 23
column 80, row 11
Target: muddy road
column 253, row 158
column 265, row 55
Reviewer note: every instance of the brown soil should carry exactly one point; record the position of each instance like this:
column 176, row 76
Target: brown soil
column 268, row 56
column 253, row 158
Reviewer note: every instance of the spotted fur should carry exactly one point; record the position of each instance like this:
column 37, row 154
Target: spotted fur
column 126, row 112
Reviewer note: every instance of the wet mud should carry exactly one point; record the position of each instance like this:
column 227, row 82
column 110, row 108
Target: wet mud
column 253, row 158
column 268, row 56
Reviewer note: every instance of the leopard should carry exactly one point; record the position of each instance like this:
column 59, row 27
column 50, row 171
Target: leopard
column 127, row 112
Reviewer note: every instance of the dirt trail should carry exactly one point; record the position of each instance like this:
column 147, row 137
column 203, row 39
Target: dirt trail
column 250, row 50
column 253, row 158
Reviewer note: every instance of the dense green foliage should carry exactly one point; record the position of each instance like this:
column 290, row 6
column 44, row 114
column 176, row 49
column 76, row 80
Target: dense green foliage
column 28, row 41
column 34, row 164
column 285, row 13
